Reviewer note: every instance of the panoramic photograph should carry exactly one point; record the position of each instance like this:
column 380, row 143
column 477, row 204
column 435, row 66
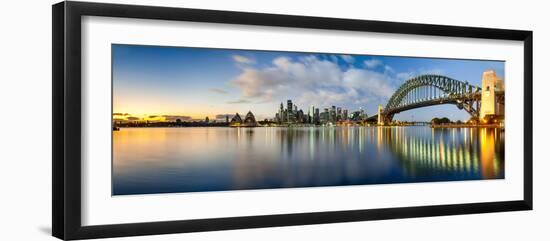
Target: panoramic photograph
column 189, row 119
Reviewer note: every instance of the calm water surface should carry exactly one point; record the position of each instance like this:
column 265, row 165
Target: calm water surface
column 163, row 160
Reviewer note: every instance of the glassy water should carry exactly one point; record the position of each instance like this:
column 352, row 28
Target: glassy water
column 164, row 160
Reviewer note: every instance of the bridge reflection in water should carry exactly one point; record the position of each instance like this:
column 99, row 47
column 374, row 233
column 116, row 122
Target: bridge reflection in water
column 161, row 160
column 465, row 152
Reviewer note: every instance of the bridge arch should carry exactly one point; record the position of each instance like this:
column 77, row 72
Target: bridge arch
column 428, row 90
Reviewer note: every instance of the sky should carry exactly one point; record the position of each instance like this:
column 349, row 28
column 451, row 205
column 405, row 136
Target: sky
column 165, row 83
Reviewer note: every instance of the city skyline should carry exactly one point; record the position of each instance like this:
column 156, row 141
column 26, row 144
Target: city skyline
column 311, row 115
column 167, row 83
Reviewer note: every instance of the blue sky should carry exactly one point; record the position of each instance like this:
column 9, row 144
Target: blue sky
column 200, row 82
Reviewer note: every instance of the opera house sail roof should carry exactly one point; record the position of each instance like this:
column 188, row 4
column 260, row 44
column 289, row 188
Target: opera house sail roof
column 249, row 120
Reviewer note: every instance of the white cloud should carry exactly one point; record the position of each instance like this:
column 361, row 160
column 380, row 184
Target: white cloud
column 218, row 90
column 325, row 98
column 373, row 83
column 239, row 101
column 309, row 80
column 175, row 117
column 242, row 59
column 388, row 69
column 348, row 58
column 430, row 71
column 260, row 83
column 372, row 63
column 403, row 76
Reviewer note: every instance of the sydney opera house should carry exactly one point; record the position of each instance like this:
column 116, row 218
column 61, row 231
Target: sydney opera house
column 249, row 120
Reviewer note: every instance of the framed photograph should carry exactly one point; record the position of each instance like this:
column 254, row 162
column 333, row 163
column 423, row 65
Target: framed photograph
column 169, row 120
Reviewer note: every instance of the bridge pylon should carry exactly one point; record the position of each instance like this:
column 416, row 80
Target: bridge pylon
column 381, row 117
column 492, row 87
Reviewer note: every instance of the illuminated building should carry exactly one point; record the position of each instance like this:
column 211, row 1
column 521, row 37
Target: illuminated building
column 236, row 120
column 249, row 120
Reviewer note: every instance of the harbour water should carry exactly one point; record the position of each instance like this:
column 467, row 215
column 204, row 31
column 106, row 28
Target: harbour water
column 167, row 160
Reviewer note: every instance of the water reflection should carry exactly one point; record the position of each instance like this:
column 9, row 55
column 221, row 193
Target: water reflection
column 160, row 160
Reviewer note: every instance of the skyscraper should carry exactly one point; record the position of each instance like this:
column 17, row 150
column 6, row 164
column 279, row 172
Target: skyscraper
column 345, row 114
column 325, row 116
column 300, row 116
column 332, row 114
column 311, row 114
column 281, row 110
column 289, row 112
column 289, row 105
column 316, row 117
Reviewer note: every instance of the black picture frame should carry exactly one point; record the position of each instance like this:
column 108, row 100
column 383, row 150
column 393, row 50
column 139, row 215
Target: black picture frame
column 66, row 127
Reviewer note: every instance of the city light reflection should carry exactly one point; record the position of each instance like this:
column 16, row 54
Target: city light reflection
column 146, row 160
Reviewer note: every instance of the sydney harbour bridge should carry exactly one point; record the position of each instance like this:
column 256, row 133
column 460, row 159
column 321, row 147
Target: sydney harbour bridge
column 430, row 90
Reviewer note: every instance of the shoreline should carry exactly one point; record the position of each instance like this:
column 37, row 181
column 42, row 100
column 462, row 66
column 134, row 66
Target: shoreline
column 467, row 126
column 442, row 126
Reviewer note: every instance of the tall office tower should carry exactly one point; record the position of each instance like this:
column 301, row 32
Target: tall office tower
column 316, row 116
column 361, row 113
column 289, row 114
column 325, row 116
column 281, row 109
column 339, row 113
column 311, row 114
column 300, row 116
column 289, row 105
column 332, row 116
column 345, row 114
